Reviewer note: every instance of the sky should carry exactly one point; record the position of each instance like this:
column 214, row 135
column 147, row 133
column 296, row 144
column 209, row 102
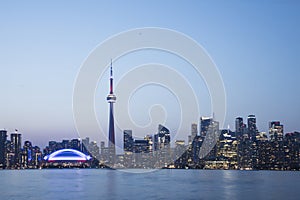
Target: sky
column 254, row 44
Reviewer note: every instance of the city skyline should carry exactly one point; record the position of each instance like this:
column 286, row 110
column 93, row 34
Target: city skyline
column 209, row 147
column 254, row 46
column 194, row 131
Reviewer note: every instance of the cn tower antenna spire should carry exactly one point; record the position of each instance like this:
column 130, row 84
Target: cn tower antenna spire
column 111, row 78
column 111, row 70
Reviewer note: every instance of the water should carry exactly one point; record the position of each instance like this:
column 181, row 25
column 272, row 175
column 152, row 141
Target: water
column 71, row 184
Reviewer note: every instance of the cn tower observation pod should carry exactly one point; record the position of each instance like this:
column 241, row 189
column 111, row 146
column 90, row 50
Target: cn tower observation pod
column 67, row 155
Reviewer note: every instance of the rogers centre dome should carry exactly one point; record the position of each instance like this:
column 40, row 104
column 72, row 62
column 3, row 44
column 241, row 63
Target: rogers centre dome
column 67, row 155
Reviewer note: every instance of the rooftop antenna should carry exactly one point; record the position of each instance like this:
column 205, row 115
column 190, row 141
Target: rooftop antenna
column 111, row 77
column 111, row 71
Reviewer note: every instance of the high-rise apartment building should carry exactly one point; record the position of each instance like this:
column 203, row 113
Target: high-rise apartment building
column 128, row 141
column 16, row 141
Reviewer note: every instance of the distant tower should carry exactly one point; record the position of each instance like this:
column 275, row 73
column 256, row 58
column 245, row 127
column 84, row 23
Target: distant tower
column 111, row 98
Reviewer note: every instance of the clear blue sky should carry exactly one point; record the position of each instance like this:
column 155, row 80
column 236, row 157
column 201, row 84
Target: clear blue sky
column 255, row 45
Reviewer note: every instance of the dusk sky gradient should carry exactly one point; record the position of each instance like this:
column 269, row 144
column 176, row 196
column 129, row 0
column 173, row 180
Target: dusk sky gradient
column 255, row 45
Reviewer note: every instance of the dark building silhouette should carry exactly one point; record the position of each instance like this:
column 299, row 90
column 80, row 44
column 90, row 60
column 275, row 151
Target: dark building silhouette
column 239, row 125
column 141, row 146
column 3, row 138
column 75, row 144
column 85, row 145
column 65, row 144
column 128, row 141
column 196, row 141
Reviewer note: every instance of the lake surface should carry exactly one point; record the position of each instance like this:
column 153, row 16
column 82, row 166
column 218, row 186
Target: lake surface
column 90, row 184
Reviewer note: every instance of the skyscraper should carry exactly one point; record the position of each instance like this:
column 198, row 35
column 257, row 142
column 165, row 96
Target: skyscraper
column 240, row 129
column 162, row 138
column 239, row 125
column 205, row 123
column 162, row 146
column 3, row 138
column 210, row 131
column 16, row 147
column 252, row 127
column 27, row 154
column 277, row 144
column 111, row 98
column 196, row 143
column 128, row 141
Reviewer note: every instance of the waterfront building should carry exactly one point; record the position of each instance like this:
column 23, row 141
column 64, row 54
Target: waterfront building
column 277, row 145
column 162, row 138
column 275, row 131
column 227, row 149
column 3, row 138
column 263, row 152
column 16, row 142
column 26, row 155
column 66, row 158
column 210, row 133
column 128, row 141
column 292, row 151
column 162, row 145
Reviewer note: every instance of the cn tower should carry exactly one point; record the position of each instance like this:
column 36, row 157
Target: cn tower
column 111, row 98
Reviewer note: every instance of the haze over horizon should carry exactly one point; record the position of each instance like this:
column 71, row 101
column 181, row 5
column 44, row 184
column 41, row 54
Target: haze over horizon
column 255, row 46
